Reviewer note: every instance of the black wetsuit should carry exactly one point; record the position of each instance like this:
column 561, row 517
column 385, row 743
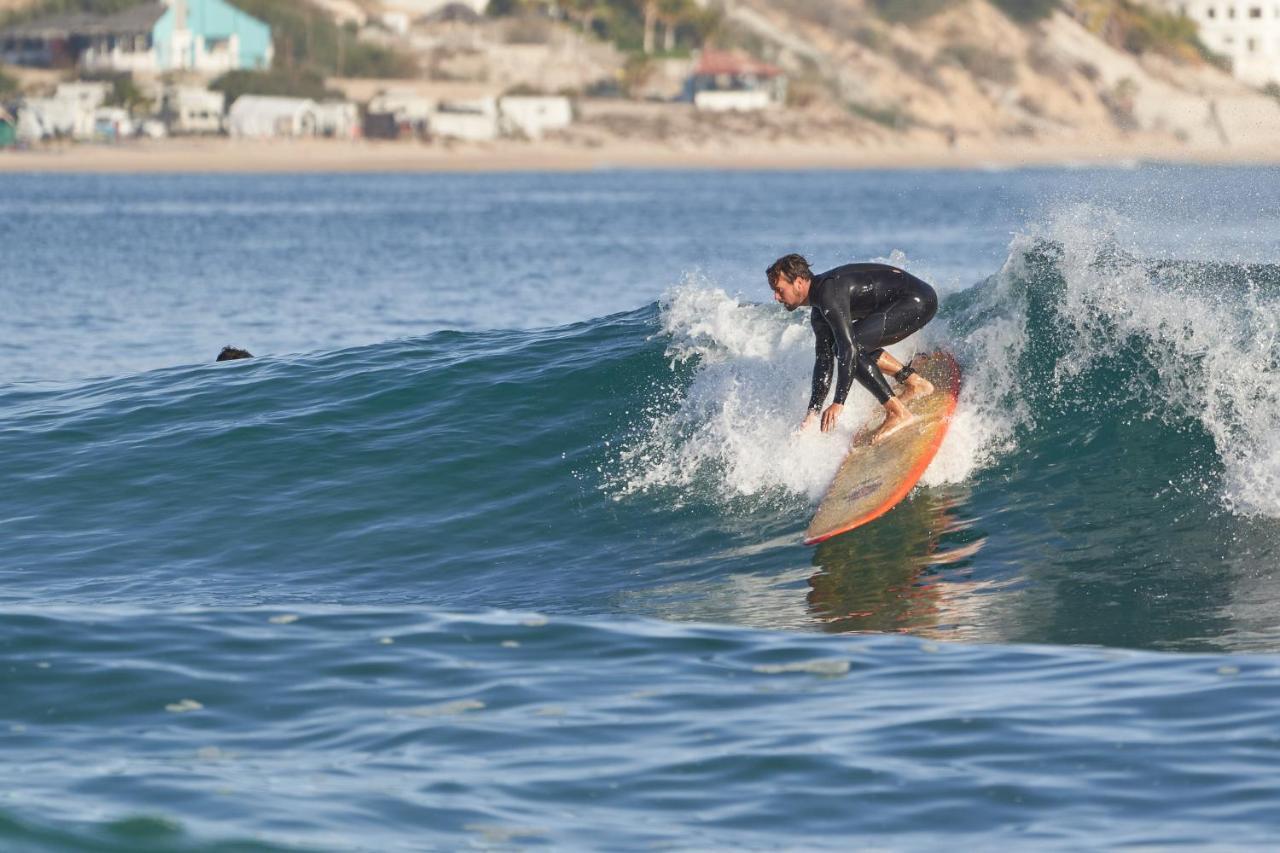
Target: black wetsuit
column 857, row 310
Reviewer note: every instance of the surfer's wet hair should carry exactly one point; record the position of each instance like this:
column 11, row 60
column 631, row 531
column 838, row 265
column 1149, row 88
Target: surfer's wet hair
column 793, row 266
column 232, row 353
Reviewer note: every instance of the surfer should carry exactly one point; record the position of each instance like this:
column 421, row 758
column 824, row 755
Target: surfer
column 230, row 353
column 858, row 309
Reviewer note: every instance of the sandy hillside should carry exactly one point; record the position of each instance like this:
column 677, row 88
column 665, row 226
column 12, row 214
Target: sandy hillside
column 972, row 73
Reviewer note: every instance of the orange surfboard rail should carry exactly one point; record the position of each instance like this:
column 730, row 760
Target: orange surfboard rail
column 873, row 480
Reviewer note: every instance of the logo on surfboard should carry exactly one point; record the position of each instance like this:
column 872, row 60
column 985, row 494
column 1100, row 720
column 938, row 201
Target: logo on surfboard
column 862, row 491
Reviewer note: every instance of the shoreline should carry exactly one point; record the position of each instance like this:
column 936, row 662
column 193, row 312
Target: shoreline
column 221, row 155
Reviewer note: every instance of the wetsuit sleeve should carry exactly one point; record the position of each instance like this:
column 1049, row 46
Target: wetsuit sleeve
column 833, row 315
column 823, row 362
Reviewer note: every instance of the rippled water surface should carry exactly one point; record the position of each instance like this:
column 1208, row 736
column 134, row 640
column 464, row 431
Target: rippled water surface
column 496, row 541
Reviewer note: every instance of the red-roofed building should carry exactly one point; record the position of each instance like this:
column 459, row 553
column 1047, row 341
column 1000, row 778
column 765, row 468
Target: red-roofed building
column 722, row 81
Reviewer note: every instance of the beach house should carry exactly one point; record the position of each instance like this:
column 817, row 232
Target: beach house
column 192, row 110
column 209, row 36
column 1245, row 31
column 469, row 119
column 723, row 82
column 531, row 116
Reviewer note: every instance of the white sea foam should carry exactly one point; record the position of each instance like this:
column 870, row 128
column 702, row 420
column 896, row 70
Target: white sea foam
column 735, row 431
column 1214, row 350
column 732, row 432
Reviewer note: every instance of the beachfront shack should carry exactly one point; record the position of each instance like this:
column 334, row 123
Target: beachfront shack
column 209, row 36
column 192, row 110
column 470, row 120
column 337, row 120
column 267, row 117
column 533, row 115
column 393, row 113
column 51, row 118
column 70, row 113
column 724, row 81
column 111, row 124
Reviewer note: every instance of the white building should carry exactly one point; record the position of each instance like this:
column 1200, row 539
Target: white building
column 46, row 118
column 713, row 101
column 112, row 123
column 531, row 116
column 1245, row 31
column 263, row 117
column 405, row 104
column 731, row 82
column 472, row 127
column 470, row 119
column 337, row 120
column 191, row 109
column 86, row 95
column 69, row 113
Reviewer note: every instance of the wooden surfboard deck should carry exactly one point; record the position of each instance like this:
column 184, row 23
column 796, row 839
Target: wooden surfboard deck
column 872, row 480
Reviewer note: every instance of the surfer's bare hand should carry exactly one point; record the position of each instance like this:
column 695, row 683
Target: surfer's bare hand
column 809, row 420
column 830, row 416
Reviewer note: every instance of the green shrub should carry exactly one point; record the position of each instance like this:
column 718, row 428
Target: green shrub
column 1138, row 29
column 305, row 36
column 911, row 11
column 8, row 84
column 891, row 116
column 980, row 62
column 1026, row 11
column 284, row 82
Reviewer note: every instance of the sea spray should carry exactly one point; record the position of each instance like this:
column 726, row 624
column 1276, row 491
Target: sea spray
column 1179, row 341
column 1073, row 331
column 734, row 430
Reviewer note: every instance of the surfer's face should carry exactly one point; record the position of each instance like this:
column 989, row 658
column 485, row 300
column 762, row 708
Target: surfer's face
column 790, row 292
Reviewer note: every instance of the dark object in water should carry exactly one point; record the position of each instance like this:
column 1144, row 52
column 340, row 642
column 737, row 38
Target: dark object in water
column 232, row 353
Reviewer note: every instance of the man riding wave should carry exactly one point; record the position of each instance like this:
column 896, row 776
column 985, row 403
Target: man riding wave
column 858, row 309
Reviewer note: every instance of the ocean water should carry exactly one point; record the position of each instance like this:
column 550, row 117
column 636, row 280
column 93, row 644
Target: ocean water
column 496, row 541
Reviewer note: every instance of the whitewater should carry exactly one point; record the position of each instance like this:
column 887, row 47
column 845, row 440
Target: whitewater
column 496, row 540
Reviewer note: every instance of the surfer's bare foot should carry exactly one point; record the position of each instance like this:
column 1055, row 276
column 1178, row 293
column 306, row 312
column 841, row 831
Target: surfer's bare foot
column 895, row 418
column 916, row 387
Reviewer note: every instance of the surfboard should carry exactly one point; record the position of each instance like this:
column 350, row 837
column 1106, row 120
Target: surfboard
column 873, row 479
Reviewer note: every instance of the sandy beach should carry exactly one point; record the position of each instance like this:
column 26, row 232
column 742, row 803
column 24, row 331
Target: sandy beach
column 314, row 155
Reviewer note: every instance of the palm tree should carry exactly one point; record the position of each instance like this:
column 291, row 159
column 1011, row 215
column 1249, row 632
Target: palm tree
column 673, row 13
column 583, row 12
column 650, row 17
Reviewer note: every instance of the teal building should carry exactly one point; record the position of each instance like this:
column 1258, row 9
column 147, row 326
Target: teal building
column 210, row 35
column 197, row 35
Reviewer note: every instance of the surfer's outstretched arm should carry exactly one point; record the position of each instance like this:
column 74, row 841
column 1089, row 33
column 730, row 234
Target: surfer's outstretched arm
column 853, row 362
column 824, row 361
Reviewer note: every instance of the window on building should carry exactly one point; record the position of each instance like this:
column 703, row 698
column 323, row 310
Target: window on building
column 1252, row 45
column 1212, row 12
column 1255, row 11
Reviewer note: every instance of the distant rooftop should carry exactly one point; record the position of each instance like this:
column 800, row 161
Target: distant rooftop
column 135, row 20
column 713, row 63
